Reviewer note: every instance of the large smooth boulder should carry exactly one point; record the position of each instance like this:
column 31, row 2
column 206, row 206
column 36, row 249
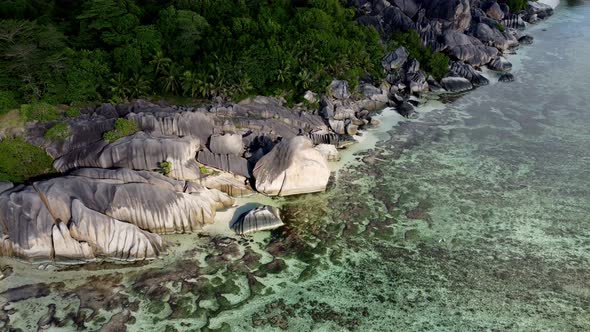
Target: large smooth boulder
column 339, row 89
column 96, row 214
column 500, row 64
column 493, row 10
column 140, row 151
column 170, row 123
column 457, row 12
column 396, row 59
column 468, row 49
column 394, row 19
column 492, row 36
column 540, row 9
column 409, row 7
column 292, row 167
column 329, row 152
column 466, row 71
column 226, row 144
column 456, row 84
column 258, row 219
column 225, row 162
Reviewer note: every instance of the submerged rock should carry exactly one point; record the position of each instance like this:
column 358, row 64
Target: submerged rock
column 406, row 110
column 259, row 219
column 507, row 77
column 292, row 167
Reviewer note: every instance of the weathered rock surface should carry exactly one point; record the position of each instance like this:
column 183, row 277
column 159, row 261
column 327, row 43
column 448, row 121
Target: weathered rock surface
column 467, row 48
column 466, row 71
column 493, row 10
column 339, row 89
column 500, row 64
column 492, row 36
column 328, row 151
column 96, row 214
column 259, row 219
column 456, row 84
column 140, row 151
column 225, row 162
column 506, row 77
column 396, row 59
column 233, row 185
column 292, row 167
column 406, row 110
column 226, row 144
column 456, row 12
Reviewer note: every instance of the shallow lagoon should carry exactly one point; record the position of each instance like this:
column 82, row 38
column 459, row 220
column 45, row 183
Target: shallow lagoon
column 476, row 216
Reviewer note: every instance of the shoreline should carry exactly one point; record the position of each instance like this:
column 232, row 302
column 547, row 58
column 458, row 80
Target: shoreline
column 388, row 119
column 367, row 140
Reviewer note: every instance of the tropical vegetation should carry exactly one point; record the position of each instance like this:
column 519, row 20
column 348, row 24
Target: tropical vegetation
column 94, row 50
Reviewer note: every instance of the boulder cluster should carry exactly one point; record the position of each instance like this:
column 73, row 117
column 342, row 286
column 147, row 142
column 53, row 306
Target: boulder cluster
column 472, row 33
column 110, row 201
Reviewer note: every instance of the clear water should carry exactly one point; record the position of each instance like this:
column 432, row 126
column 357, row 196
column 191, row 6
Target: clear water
column 476, row 217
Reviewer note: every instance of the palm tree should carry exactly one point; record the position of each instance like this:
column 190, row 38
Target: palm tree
column 138, row 86
column 244, row 86
column 188, row 82
column 119, row 86
column 161, row 62
column 305, row 79
column 169, row 80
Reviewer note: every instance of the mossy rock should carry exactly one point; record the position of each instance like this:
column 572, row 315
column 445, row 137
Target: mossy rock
column 58, row 132
column 20, row 161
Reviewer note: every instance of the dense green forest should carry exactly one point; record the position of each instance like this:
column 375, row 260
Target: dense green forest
column 71, row 51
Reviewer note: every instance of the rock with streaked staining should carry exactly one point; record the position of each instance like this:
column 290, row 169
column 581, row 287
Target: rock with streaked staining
column 259, row 219
column 292, row 167
column 98, row 214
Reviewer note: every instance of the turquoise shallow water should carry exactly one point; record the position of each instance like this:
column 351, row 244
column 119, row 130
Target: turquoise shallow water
column 475, row 217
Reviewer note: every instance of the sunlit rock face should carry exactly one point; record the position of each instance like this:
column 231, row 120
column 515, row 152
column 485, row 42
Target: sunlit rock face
column 140, row 151
column 96, row 214
column 292, row 167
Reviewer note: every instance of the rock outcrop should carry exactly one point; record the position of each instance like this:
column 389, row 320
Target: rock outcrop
column 456, row 84
column 259, row 219
column 140, row 151
column 94, row 214
column 292, row 167
column 456, row 12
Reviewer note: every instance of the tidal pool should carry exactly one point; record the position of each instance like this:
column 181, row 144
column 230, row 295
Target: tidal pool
column 474, row 217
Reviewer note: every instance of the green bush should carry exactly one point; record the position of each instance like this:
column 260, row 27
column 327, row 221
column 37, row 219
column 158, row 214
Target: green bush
column 434, row 63
column 204, row 170
column 58, row 132
column 516, row 5
column 165, row 168
column 73, row 112
column 20, row 160
column 500, row 27
column 39, row 111
column 123, row 127
column 7, row 101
